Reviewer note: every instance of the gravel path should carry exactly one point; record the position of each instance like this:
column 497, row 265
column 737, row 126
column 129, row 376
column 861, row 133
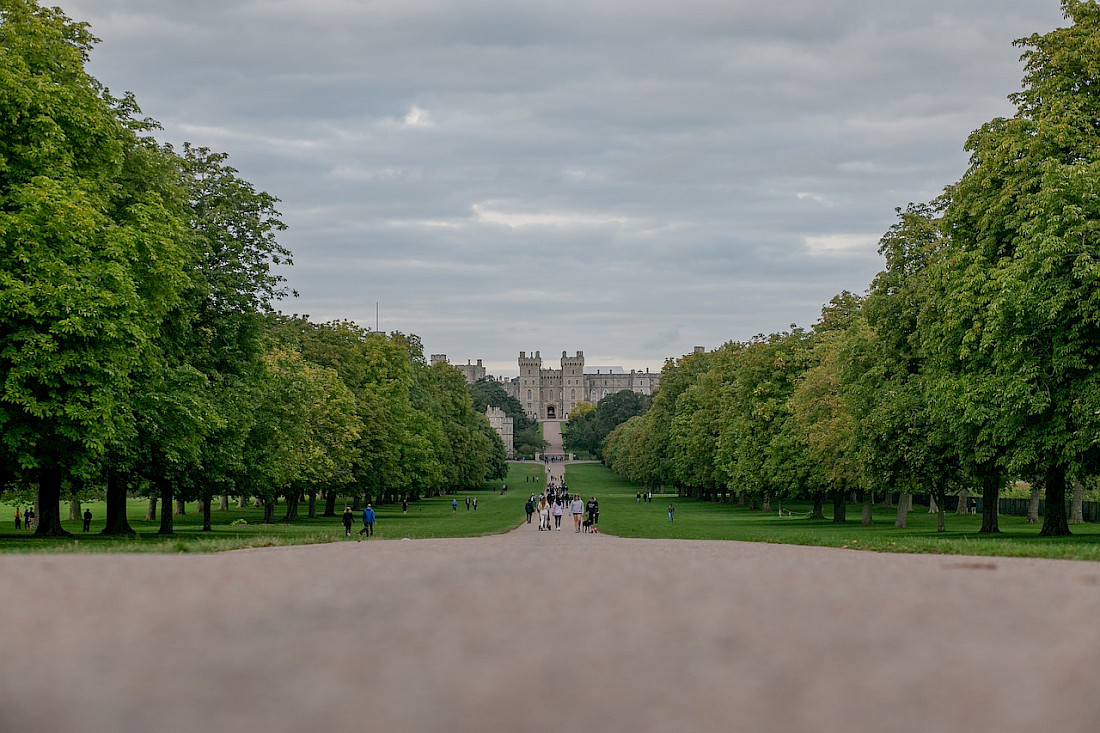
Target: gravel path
column 538, row 631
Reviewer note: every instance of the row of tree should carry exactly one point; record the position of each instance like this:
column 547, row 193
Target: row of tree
column 589, row 425
column 971, row 360
column 139, row 347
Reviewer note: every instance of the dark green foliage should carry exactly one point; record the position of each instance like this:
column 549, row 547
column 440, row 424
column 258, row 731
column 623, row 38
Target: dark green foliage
column 587, row 432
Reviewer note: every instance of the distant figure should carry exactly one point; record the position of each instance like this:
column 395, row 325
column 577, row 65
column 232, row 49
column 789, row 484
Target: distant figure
column 28, row 518
column 405, row 504
column 467, row 503
column 368, row 522
column 671, row 510
column 475, row 503
column 576, row 508
column 347, row 519
column 87, row 519
column 529, row 507
column 638, row 498
column 593, row 510
column 556, row 510
column 454, row 506
column 18, row 519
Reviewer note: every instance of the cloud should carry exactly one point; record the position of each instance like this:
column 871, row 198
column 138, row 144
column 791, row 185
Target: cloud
column 630, row 178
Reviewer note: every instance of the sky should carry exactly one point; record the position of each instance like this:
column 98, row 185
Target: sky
column 626, row 178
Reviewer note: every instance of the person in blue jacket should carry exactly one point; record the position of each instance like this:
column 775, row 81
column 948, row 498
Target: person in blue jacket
column 368, row 522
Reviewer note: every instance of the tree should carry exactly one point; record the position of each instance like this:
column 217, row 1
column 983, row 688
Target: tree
column 587, row 431
column 90, row 258
column 1019, row 330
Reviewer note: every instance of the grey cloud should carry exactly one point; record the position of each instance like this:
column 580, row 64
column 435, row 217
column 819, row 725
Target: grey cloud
column 626, row 177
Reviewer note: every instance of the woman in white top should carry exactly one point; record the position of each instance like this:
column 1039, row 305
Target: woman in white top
column 576, row 508
column 544, row 513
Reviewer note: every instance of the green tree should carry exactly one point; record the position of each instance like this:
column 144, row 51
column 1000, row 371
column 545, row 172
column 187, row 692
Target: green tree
column 1017, row 330
column 89, row 256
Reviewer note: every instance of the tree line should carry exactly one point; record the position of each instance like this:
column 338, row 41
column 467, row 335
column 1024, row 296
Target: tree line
column 970, row 361
column 140, row 349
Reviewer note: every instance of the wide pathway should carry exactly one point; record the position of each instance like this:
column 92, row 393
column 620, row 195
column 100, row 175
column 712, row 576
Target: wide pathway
column 547, row 631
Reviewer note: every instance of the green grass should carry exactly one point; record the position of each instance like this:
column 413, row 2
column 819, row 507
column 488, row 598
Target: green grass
column 425, row 518
column 621, row 515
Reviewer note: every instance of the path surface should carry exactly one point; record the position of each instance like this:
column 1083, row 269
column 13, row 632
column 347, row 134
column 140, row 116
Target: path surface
column 547, row 631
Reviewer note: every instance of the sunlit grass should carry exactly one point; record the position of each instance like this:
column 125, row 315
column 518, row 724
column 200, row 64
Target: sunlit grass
column 622, row 515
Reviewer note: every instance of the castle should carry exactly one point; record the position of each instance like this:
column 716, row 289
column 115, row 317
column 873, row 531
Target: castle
column 552, row 394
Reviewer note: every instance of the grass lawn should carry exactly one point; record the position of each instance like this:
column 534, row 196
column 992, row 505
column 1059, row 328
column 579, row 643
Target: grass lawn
column 495, row 513
column 621, row 515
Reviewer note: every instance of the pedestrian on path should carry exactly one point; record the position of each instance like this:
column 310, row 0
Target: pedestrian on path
column 347, row 519
column 593, row 509
column 368, row 522
column 556, row 511
column 544, row 514
column 576, row 508
column 529, row 507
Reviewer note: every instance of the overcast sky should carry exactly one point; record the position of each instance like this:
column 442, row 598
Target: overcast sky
column 629, row 178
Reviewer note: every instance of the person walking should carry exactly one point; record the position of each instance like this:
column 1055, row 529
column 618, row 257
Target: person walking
column 347, row 519
column 556, row 511
column 454, row 506
column 475, row 503
column 593, row 509
column 576, row 508
column 671, row 511
column 405, row 504
column 544, row 514
column 18, row 519
column 87, row 519
column 529, row 507
column 368, row 521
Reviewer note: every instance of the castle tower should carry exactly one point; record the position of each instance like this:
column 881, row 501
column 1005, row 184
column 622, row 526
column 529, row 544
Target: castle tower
column 572, row 382
column 530, row 384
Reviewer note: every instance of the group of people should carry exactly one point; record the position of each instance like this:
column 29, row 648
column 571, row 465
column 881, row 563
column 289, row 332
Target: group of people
column 551, row 506
column 368, row 521
column 26, row 519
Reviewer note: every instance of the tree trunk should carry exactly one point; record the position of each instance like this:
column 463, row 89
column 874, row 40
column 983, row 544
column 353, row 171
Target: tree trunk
column 991, row 494
column 888, row 499
column 1033, row 505
column 1077, row 503
column 151, row 510
column 74, row 510
column 840, row 507
column 868, row 500
column 269, row 512
column 937, row 499
column 1054, row 520
column 818, row 510
column 181, row 508
column 767, row 505
column 48, row 513
column 902, row 515
column 964, row 497
column 117, row 523
column 330, row 503
column 313, row 505
column 292, row 499
column 242, row 502
column 165, row 507
column 740, row 498
column 355, row 503
column 224, row 505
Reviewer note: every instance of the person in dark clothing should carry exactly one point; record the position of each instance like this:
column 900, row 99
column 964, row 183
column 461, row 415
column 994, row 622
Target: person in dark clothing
column 347, row 519
column 593, row 510
column 87, row 519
